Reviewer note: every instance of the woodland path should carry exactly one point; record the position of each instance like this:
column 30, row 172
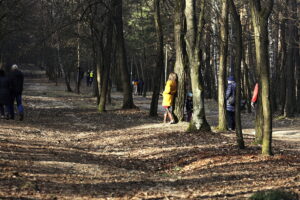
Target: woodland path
column 64, row 149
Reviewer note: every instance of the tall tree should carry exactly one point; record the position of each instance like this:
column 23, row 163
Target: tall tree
column 238, row 49
column 180, row 59
column 193, row 38
column 260, row 15
column 222, row 67
column 290, row 103
column 159, row 58
column 121, row 53
column 106, row 59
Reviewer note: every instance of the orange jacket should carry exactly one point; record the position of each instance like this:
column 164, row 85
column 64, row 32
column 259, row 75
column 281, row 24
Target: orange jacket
column 255, row 93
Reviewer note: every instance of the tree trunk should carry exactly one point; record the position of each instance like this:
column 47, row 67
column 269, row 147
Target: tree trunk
column 159, row 58
column 260, row 23
column 180, row 60
column 106, row 63
column 290, row 105
column 238, row 49
column 122, row 57
column 61, row 67
column 222, row 68
column 193, row 38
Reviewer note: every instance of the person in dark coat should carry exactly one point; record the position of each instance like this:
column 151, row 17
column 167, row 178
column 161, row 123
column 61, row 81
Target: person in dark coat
column 230, row 107
column 17, row 79
column 5, row 94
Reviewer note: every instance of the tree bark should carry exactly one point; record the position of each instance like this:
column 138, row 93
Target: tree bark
column 193, row 38
column 222, row 68
column 106, row 62
column 180, row 64
column 122, row 57
column 290, row 106
column 260, row 23
column 159, row 58
column 237, row 28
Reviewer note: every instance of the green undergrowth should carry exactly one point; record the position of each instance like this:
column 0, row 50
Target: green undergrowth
column 274, row 195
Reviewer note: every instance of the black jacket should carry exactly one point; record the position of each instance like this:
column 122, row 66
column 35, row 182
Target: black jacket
column 5, row 90
column 17, row 79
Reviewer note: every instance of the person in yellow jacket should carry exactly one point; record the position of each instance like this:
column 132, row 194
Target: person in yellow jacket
column 168, row 96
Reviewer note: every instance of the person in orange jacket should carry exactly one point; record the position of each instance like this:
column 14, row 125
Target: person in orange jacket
column 168, row 97
column 254, row 96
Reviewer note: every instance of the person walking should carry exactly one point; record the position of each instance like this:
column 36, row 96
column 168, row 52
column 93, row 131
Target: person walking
column 17, row 79
column 168, row 97
column 91, row 77
column 230, row 103
column 87, row 76
column 254, row 96
column 5, row 95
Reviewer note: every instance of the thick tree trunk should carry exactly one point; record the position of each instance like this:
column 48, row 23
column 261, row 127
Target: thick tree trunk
column 222, row 68
column 237, row 27
column 121, row 53
column 180, row 64
column 159, row 58
column 260, row 23
column 193, row 38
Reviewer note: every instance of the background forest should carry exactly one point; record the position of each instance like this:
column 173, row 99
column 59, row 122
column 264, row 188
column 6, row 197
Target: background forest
column 257, row 41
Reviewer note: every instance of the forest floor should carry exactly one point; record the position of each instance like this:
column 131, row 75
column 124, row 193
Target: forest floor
column 65, row 149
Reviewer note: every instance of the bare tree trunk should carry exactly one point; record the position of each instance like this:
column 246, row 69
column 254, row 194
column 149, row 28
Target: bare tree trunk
column 222, row 68
column 290, row 106
column 193, row 38
column 61, row 67
column 106, row 63
column 159, row 58
column 122, row 57
column 260, row 23
column 180, row 64
column 237, row 27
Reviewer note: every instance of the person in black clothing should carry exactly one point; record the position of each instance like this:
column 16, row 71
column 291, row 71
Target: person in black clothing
column 230, row 103
column 140, row 87
column 17, row 79
column 5, row 95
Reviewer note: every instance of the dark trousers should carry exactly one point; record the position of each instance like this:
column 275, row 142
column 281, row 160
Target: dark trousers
column 18, row 99
column 231, row 119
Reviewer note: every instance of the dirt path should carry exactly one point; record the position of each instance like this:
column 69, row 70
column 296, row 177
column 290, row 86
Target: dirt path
column 64, row 149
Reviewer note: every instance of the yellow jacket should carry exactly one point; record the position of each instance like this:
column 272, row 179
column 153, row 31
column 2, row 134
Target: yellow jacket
column 169, row 92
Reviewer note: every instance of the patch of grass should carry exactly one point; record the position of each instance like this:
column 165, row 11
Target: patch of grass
column 274, row 195
column 165, row 175
column 177, row 168
column 280, row 117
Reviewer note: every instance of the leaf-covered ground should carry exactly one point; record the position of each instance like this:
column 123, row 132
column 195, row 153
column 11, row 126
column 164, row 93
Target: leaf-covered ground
column 64, row 149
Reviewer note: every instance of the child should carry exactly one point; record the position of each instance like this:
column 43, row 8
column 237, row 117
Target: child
column 168, row 96
column 189, row 106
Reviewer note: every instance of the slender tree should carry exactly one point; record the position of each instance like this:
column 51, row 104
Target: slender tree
column 290, row 105
column 159, row 58
column 222, row 67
